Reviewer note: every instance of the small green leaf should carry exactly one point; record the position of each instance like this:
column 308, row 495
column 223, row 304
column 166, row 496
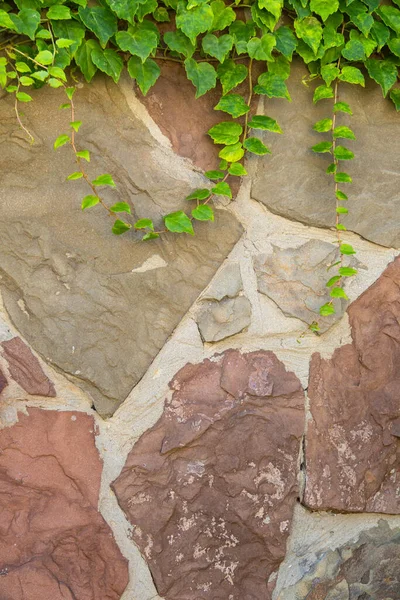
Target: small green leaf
column 265, row 123
column 203, row 212
column 26, row 21
column 223, row 15
column 63, row 42
column 83, row 154
column 329, row 73
column 104, row 179
column 146, row 73
column 309, row 29
column 232, row 153
column 218, row 47
column 11, row 88
column 202, row 194
column 285, row 41
column 391, row 17
column 109, row 62
column 261, row 48
column 342, row 107
column 58, row 11
column 61, row 140
column 75, row 125
column 141, row 42
column 177, row 41
column 195, row 21
column 121, row 207
column 202, row 75
column 22, row 67
column 343, row 132
column 352, row 75
column 223, row 165
column 101, row 21
column 326, row 310
column 222, row 189
column 233, row 104
column 54, row 83
column 338, row 292
column 343, row 178
column 178, row 222
column 323, row 125
column 44, row 57
column 331, row 169
column 237, row 169
column 341, row 227
column 272, row 85
column 144, row 224
column 43, row 34
column 76, row 175
column 40, row 75
column 322, row 92
column 395, row 98
column 214, row 174
column 342, row 153
column 255, row 145
column 83, row 58
column 226, row 132
column 333, row 280
column 89, row 201
column 383, row 72
column 324, row 8
column 120, row 227
column 347, row 271
column 26, row 81
column 342, row 210
column 57, row 72
column 347, row 249
column 341, row 195
column 70, row 91
column 161, row 15
column 322, row 147
column 231, row 74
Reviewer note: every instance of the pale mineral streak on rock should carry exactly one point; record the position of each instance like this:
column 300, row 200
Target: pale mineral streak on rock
column 219, row 470
column 352, row 443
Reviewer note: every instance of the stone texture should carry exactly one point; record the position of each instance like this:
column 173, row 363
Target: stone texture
column 219, row 320
column 365, row 569
column 227, row 283
column 295, row 279
column 97, row 306
column 3, row 381
column 295, row 184
column 25, row 368
column 54, row 544
column 210, row 489
column 353, row 445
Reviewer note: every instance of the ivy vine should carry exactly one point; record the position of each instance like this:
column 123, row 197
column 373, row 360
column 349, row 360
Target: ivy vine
column 218, row 42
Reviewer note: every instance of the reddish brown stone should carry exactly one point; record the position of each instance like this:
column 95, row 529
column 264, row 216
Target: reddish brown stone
column 3, row 381
column 54, row 544
column 210, row 489
column 353, row 446
column 25, row 368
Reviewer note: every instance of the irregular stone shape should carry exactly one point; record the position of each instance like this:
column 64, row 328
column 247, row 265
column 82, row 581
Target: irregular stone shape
column 227, row 283
column 55, row 545
column 25, row 368
column 95, row 305
column 219, row 320
column 295, row 279
column 367, row 569
column 210, row 489
column 3, row 381
column 295, row 184
column 353, row 446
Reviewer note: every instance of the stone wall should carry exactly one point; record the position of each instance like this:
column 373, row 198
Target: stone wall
column 170, row 427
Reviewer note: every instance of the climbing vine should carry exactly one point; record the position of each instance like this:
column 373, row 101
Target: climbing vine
column 243, row 47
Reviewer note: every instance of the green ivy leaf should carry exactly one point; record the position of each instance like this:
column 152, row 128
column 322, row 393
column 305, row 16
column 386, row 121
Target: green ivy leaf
column 352, row 75
column 226, row 132
column 178, row 222
column 124, row 9
column 343, row 132
column 61, row 140
column 109, row 62
column 329, row 73
column 213, row 175
column 341, row 227
column 323, row 125
column 237, row 169
column 342, row 153
column 83, row 58
column 22, row 67
column 309, row 30
column 322, row 147
column 261, row 48
column 395, row 97
column 76, row 175
column 203, row 212
column 341, row 210
column 222, row 189
column 144, row 224
column 69, row 30
column 161, row 15
column 255, row 145
column 341, row 195
column 150, row 236
column 331, row 169
column 272, row 85
column 343, row 178
column 308, row 55
column 195, row 21
column 272, row 6
column 383, row 72
column 347, row 249
column 121, row 207
column 202, row 75
column 146, row 73
column 231, row 74
column 262, row 18
column 394, row 46
column 264, row 123
column 43, row 34
column 22, row 97
column 326, row 310
column 58, row 11
column 218, row 47
column 201, row 194
column 347, row 271
column 101, row 21
column 285, row 41
column 333, row 280
column 85, row 154
column 44, row 57
column 104, row 179
column 5, row 20
column 120, row 227
column 54, row 83
column 40, row 75
column 26, row 22
column 177, row 41
column 76, row 125
column 242, row 32
column 324, row 8
column 89, row 201
column 338, row 292
column 322, row 92
column 354, row 50
column 233, row 104
column 232, row 153
column 57, row 72
column 342, row 107
column 26, row 81
column 70, row 91
column 391, row 17
column 380, row 33
column 359, row 16
column 139, row 43
column 223, row 15
column 63, row 43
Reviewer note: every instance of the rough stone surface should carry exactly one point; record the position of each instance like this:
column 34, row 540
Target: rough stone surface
column 210, row 489
column 353, row 445
column 227, row 283
column 25, row 368
column 295, row 279
column 97, row 306
column 3, row 381
column 54, row 545
column 219, row 320
column 365, row 569
column 295, row 184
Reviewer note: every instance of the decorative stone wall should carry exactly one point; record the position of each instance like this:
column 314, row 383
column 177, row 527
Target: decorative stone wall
column 170, row 429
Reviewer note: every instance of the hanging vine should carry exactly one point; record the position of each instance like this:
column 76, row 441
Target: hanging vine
column 219, row 43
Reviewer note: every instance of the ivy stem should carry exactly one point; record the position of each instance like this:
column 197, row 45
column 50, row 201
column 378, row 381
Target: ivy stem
column 32, row 139
column 246, row 119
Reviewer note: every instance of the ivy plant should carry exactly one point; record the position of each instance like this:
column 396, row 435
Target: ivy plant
column 244, row 48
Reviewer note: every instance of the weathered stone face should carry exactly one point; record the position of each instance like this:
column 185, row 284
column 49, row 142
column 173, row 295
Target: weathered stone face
column 25, row 368
column 295, row 184
column 55, row 545
column 3, row 381
column 352, row 442
column 295, row 279
column 366, row 569
column 211, row 488
column 98, row 307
